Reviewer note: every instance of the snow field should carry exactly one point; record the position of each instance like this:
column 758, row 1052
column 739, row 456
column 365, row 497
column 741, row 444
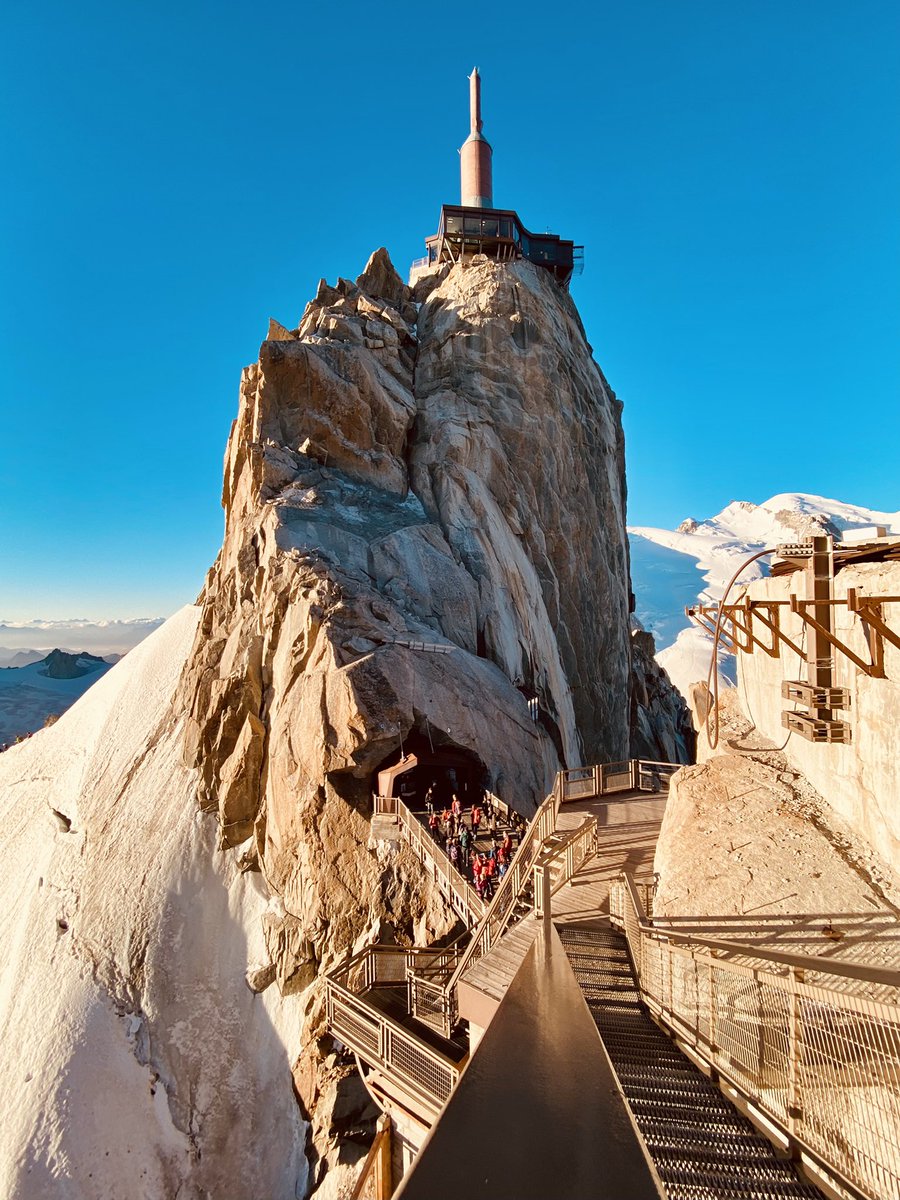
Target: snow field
column 666, row 563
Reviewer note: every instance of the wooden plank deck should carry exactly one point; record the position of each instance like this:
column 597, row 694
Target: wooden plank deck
column 628, row 829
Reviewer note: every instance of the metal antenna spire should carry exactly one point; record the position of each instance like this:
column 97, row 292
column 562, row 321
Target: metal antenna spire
column 475, row 102
column 476, row 185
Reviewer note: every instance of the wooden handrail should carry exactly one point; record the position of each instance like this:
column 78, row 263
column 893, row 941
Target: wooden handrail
column 377, row 1167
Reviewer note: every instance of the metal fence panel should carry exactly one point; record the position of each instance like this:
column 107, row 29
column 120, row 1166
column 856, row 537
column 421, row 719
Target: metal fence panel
column 818, row 1059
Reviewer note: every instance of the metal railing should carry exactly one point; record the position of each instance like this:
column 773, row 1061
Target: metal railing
column 424, row 1072
column 604, row 779
column 452, row 884
column 792, row 1034
column 562, row 856
column 426, row 982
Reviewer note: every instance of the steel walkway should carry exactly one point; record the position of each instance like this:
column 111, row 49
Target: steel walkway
column 809, row 1047
column 702, row 1148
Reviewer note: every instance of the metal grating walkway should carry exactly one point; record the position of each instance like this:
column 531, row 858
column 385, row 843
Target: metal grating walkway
column 702, row 1148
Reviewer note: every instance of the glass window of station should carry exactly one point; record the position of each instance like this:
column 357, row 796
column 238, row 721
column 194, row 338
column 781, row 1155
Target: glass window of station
column 488, row 226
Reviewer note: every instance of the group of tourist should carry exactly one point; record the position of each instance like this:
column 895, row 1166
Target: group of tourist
column 22, row 737
column 459, row 829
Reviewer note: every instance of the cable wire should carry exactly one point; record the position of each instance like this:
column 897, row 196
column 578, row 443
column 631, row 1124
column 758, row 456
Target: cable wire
column 712, row 679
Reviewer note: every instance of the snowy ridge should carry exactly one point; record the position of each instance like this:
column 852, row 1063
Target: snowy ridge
column 665, row 566
column 140, row 1063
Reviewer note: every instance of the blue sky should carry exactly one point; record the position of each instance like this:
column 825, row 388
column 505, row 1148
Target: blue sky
column 175, row 174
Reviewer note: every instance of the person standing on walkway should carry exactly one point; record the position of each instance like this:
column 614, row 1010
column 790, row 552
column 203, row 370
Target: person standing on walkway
column 464, row 839
column 490, row 868
column 487, row 880
column 476, row 874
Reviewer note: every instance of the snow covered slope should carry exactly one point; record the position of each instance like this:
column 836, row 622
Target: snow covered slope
column 674, row 568
column 135, row 1060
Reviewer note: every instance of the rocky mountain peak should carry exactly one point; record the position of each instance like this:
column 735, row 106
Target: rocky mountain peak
column 59, row 664
column 425, row 551
column 449, row 474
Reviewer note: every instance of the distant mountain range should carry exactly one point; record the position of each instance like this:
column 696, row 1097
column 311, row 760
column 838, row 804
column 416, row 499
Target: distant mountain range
column 672, row 569
column 35, row 684
column 36, row 638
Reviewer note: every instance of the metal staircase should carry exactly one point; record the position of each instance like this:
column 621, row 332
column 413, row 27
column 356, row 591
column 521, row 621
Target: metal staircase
column 702, row 1148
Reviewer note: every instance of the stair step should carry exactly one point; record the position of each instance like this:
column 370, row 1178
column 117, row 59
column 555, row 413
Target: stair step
column 701, row 1146
column 486, row 971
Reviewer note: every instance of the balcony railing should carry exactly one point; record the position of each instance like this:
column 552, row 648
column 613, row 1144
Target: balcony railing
column 792, row 1034
column 427, row 1075
column 631, row 775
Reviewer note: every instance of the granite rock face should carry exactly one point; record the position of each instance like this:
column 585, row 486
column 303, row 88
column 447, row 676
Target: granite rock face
column 424, row 547
column 518, row 452
column 448, row 474
column 661, row 726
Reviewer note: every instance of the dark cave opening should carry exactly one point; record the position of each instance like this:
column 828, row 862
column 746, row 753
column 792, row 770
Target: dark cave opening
column 448, row 770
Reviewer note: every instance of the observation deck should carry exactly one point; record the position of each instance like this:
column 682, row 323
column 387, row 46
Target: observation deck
column 499, row 234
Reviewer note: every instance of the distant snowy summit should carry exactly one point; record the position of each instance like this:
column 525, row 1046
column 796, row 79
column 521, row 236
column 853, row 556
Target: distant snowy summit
column 665, row 565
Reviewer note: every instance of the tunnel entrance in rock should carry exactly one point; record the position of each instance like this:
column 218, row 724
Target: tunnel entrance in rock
column 445, row 770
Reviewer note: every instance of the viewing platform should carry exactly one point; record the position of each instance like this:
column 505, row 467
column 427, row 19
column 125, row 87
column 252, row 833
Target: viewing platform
column 738, row 1068
column 475, row 229
column 499, row 234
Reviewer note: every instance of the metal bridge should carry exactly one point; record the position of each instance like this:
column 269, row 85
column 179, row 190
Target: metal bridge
column 748, row 1071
